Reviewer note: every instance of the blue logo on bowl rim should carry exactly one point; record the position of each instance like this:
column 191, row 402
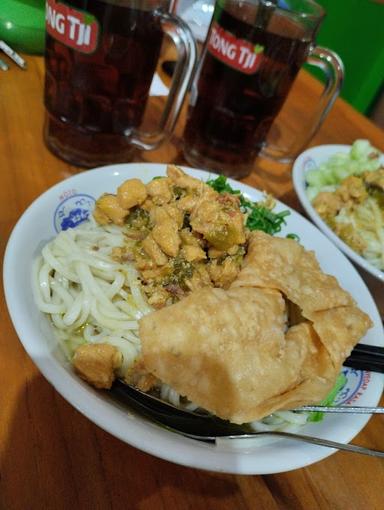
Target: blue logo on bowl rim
column 309, row 164
column 73, row 211
column 357, row 383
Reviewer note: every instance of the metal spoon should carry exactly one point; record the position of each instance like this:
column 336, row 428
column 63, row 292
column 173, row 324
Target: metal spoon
column 290, row 435
column 150, row 399
column 209, row 428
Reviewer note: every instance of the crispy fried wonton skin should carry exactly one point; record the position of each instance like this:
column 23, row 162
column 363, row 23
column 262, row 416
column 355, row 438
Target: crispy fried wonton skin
column 284, row 265
column 231, row 352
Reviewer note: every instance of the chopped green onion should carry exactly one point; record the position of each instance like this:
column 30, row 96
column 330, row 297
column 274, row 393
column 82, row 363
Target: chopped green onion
column 259, row 217
column 329, row 399
column 295, row 237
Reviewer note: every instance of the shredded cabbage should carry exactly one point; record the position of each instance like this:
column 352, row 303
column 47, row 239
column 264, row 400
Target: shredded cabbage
column 356, row 219
column 361, row 157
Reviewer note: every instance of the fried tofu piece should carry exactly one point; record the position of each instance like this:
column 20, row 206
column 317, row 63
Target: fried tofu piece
column 227, row 352
column 97, row 364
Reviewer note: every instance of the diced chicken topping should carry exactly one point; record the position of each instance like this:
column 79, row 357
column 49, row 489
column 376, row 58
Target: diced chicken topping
column 153, row 250
column 131, row 193
column 348, row 234
column 188, row 203
column 97, row 364
column 193, row 253
column 375, row 179
column 139, row 377
column 159, row 190
column 352, row 189
column 327, row 204
column 223, row 274
column 183, row 234
column 188, row 238
column 220, row 222
column 109, row 210
column 166, row 234
column 181, row 179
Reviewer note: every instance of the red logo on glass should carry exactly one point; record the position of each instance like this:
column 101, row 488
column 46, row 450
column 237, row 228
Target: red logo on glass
column 77, row 29
column 237, row 53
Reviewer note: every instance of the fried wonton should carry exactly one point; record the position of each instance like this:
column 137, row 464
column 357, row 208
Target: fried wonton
column 284, row 265
column 227, row 352
column 232, row 351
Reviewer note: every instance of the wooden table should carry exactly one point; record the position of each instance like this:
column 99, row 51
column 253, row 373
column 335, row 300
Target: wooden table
column 51, row 457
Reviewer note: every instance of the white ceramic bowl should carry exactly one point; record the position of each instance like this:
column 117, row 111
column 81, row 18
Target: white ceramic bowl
column 68, row 203
column 310, row 160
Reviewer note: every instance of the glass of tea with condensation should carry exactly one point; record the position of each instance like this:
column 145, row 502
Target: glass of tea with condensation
column 101, row 57
column 253, row 52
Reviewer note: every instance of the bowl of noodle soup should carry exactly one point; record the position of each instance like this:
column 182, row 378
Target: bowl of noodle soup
column 68, row 206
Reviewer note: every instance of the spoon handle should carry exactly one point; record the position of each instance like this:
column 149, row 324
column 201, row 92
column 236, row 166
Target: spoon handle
column 296, row 437
column 343, row 409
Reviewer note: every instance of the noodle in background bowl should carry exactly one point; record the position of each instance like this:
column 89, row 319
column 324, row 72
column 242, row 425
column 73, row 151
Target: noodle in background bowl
column 68, row 204
column 309, row 160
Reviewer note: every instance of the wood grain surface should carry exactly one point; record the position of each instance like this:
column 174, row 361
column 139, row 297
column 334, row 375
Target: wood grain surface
column 52, row 457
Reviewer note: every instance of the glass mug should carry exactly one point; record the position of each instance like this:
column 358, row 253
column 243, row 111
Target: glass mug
column 252, row 54
column 101, row 56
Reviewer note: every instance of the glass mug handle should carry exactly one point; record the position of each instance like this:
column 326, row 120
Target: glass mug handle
column 185, row 44
column 332, row 66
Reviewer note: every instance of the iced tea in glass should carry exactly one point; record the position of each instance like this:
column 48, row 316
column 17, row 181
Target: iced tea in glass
column 101, row 56
column 253, row 52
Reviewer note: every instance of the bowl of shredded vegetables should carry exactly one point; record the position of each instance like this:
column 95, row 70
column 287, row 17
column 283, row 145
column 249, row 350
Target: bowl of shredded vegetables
column 341, row 188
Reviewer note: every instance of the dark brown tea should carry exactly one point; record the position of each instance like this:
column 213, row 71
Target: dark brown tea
column 246, row 72
column 100, row 60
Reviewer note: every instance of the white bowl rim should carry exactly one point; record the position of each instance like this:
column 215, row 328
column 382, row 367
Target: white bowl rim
column 171, row 447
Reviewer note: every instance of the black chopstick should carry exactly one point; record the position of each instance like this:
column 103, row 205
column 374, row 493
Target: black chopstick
column 366, row 357
column 369, row 349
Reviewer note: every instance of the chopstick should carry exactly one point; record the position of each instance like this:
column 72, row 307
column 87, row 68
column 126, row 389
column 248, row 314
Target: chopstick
column 12, row 55
column 369, row 349
column 366, row 357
